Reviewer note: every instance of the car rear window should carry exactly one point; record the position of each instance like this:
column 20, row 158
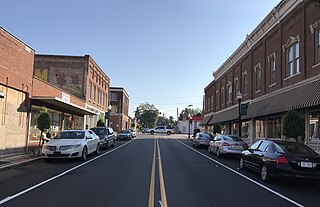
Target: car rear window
column 99, row 131
column 294, row 148
column 232, row 138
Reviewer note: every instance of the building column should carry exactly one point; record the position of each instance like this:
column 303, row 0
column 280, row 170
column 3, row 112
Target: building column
column 307, row 126
column 62, row 124
column 252, row 134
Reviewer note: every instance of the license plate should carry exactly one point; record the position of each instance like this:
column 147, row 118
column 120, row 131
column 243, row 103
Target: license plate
column 57, row 153
column 306, row 164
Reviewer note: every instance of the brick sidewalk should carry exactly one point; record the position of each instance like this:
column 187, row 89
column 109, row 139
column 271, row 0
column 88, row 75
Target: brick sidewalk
column 8, row 161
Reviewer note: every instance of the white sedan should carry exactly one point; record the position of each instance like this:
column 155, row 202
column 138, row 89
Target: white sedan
column 72, row 144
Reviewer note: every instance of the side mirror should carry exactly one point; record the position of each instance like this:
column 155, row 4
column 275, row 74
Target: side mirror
column 88, row 137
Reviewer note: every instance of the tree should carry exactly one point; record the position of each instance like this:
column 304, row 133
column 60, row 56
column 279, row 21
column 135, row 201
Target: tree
column 293, row 125
column 147, row 114
column 216, row 129
column 188, row 111
column 43, row 123
column 100, row 123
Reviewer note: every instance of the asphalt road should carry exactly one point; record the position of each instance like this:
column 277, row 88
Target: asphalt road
column 156, row 170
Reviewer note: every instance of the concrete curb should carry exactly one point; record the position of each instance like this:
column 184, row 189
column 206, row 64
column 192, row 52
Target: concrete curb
column 18, row 163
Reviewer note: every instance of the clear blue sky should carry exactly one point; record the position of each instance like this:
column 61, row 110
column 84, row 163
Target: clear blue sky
column 161, row 51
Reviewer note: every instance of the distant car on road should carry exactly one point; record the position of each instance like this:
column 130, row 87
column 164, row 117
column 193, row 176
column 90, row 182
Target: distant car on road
column 281, row 159
column 202, row 138
column 227, row 144
column 71, row 144
column 162, row 129
column 106, row 136
column 124, row 135
column 146, row 130
column 133, row 133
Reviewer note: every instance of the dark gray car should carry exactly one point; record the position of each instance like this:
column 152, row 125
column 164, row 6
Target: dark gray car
column 106, row 136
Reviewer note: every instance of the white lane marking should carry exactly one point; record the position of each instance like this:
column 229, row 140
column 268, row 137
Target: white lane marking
column 160, row 203
column 57, row 176
column 255, row 182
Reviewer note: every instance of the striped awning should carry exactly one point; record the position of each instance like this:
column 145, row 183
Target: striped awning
column 299, row 96
column 205, row 120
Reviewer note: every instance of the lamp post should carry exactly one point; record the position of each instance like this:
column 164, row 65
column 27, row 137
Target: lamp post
column 109, row 111
column 239, row 97
column 190, row 121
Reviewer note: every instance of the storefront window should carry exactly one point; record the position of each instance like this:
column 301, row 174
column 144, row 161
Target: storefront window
column 260, row 129
column 314, row 127
column 274, row 128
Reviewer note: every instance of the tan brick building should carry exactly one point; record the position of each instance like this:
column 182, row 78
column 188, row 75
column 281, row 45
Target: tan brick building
column 16, row 72
column 277, row 68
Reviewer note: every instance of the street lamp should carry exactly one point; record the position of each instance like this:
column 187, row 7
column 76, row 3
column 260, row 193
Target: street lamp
column 109, row 110
column 239, row 97
column 190, row 120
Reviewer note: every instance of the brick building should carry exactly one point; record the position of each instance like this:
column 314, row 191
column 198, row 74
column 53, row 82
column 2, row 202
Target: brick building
column 119, row 116
column 81, row 77
column 16, row 72
column 277, row 68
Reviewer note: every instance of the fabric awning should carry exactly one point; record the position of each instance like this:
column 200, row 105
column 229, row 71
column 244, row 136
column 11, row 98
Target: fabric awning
column 304, row 95
column 205, row 120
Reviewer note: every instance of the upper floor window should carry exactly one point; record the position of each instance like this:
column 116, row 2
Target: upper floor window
column 236, row 86
column 317, row 45
column 229, row 88
column 114, row 96
column 217, row 99
column 272, row 68
column 292, row 56
column 211, row 103
column 94, row 93
column 245, row 83
column 257, row 68
column 222, row 97
column 90, row 90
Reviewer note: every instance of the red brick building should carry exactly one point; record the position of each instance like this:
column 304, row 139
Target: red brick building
column 79, row 76
column 16, row 72
column 119, row 116
column 277, row 68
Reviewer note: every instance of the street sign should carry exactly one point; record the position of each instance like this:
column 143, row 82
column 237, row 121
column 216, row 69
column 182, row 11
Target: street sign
column 244, row 109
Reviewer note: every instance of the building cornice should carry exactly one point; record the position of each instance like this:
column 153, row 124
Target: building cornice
column 269, row 22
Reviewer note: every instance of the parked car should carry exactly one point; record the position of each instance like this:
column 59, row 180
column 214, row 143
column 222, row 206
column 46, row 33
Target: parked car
column 227, row 144
column 106, row 136
column 71, row 144
column 124, row 135
column 146, row 130
column 281, row 159
column 202, row 138
column 133, row 133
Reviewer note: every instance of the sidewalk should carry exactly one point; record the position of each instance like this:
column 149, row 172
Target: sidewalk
column 12, row 160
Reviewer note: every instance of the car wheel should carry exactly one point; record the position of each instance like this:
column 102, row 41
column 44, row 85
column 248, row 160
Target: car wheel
column 209, row 150
column 112, row 145
column 98, row 149
column 152, row 132
column 218, row 152
column 264, row 173
column 168, row 133
column 241, row 164
column 84, row 154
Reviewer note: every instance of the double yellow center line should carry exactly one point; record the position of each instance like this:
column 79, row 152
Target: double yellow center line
column 152, row 181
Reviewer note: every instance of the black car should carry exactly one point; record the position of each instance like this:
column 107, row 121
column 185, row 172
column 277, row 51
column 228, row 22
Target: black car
column 106, row 136
column 281, row 159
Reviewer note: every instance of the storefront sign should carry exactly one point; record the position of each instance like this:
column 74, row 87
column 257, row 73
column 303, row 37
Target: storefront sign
column 65, row 97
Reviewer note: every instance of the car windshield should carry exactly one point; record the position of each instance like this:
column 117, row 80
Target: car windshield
column 294, row 148
column 232, row 138
column 124, row 131
column 71, row 135
column 99, row 131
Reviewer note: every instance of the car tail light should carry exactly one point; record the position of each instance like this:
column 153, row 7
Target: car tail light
column 225, row 144
column 282, row 160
